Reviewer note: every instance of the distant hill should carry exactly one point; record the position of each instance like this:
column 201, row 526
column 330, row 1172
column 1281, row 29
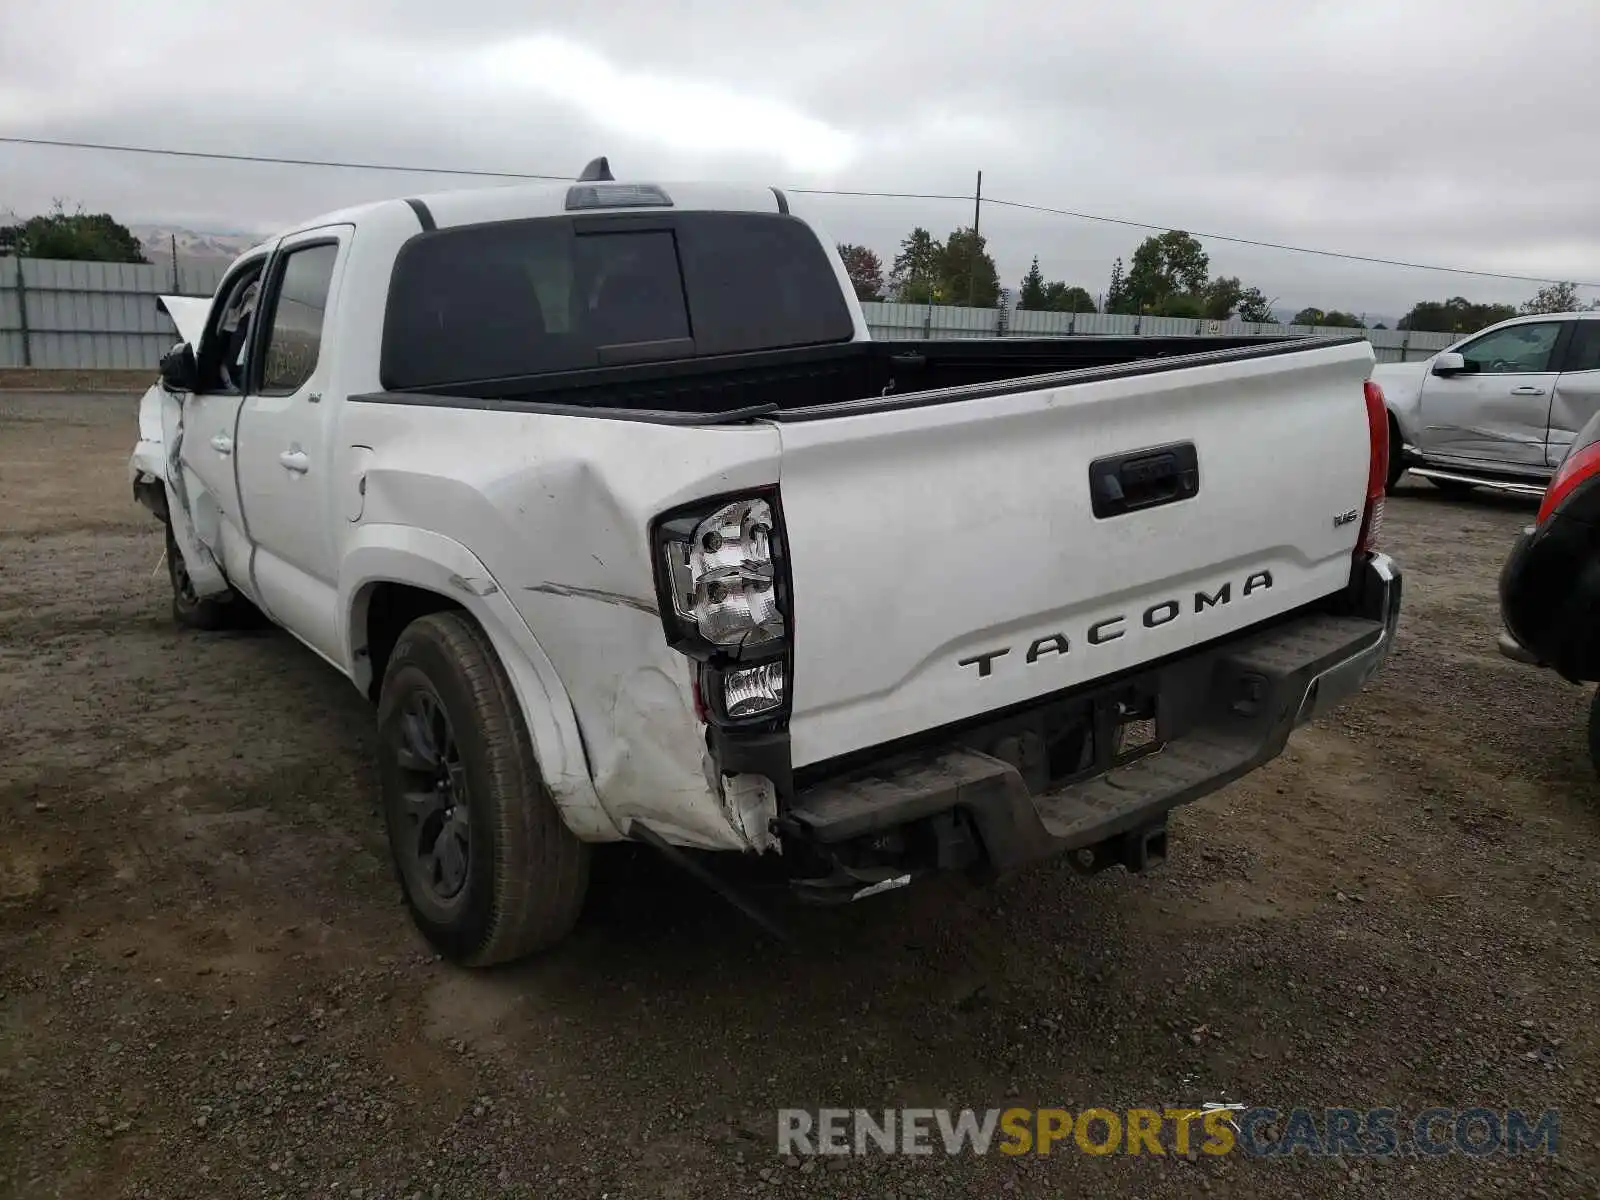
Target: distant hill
column 198, row 245
column 202, row 254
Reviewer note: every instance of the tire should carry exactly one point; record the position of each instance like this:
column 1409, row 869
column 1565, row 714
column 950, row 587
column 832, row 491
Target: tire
column 1453, row 487
column 487, row 867
column 1397, row 466
column 188, row 610
column 1594, row 730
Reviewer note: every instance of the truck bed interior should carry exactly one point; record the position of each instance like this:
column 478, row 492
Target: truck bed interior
column 873, row 374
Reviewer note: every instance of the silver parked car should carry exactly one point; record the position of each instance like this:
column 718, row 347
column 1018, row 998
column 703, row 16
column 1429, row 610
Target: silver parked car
column 1497, row 409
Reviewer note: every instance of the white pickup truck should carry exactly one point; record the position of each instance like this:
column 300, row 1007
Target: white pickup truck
column 605, row 497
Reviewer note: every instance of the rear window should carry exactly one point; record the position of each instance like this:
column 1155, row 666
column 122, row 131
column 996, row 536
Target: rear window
column 559, row 294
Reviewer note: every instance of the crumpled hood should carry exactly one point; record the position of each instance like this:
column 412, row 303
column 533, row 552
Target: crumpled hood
column 188, row 313
column 1403, row 377
column 1402, row 389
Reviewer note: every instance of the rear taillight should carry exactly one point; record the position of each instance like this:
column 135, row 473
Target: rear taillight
column 1377, row 468
column 1581, row 463
column 723, row 592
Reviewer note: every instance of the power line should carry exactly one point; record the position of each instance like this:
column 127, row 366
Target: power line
column 879, row 195
column 1240, row 241
column 218, row 156
column 368, row 166
column 287, row 162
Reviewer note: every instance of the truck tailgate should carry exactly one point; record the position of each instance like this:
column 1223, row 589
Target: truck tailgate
column 948, row 561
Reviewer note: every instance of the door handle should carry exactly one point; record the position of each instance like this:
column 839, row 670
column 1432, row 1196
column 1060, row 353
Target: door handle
column 1527, row 391
column 222, row 443
column 296, row 461
column 1123, row 483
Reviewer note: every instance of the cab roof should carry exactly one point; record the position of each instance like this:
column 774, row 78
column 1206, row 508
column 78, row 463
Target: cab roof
column 474, row 206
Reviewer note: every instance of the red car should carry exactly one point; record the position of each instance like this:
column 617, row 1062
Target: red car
column 1550, row 583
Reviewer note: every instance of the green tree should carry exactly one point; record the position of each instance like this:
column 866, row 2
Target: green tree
column 1031, row 295
column 1170, row 276
column 1333, row 318
column 967, row 274
column 1118, row 298
column 1254, row 306
column 865, row 269
column 1179, row 304
column 1058, row 297
column 1221, row 298
column 92, row 237
column 1556, row 298
column 1165, row 265
column 914, row 277
column 1455, row 315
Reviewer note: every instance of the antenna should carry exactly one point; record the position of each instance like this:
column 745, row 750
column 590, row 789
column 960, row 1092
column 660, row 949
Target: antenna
column 598, row 171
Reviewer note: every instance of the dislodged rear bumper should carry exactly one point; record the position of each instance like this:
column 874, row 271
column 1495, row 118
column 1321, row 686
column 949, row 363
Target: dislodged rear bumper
column 1220, row 713
column 1549, row 591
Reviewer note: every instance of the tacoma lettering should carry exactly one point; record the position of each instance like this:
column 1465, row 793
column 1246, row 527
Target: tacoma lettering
column 1055, row 643
column 1109, row 629
column 1098, row 634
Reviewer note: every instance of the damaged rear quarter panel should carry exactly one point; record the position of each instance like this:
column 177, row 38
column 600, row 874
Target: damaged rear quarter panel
column 558, row 508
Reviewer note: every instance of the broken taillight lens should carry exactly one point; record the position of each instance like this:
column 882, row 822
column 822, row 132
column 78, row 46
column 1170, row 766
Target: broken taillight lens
column 723, row 589
column 754, row 691
column 721, row 575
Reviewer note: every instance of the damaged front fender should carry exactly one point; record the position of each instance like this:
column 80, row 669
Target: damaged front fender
column 155, row 473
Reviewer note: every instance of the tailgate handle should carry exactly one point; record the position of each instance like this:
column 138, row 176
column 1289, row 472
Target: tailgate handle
column 1141, row 479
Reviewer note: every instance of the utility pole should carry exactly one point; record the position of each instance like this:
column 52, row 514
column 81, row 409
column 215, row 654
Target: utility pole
column 972, row 266
column 173, row 241
column 22, row 314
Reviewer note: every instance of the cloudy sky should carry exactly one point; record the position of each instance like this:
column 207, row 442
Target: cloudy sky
column 1456, row 132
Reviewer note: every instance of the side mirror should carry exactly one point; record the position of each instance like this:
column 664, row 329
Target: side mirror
column 179, row 372
column 1449, row 364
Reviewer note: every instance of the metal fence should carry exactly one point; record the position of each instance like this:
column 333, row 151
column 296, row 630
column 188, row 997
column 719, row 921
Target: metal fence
column 89, row 315
column 941, row 321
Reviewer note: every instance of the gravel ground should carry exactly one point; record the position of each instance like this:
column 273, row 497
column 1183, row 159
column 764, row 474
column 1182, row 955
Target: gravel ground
column 208, row 987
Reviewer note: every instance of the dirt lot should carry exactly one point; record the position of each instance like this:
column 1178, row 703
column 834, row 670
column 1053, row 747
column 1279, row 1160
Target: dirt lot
column 208, row 987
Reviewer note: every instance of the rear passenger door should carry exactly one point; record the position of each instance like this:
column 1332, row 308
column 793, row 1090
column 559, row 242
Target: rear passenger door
column 285, row 440
column 1577, row 390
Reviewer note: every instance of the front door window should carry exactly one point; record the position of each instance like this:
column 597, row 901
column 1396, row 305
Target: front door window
column 1515, row 350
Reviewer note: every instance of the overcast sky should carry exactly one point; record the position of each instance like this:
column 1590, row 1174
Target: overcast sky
column 1455, row 132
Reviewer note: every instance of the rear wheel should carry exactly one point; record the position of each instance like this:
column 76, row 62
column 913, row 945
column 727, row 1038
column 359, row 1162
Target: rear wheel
column 1397, row 465
column 488, row 868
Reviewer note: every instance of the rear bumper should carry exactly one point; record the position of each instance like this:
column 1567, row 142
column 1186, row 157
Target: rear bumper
column 1550, row 589
column 1220, row 713
column 1515, row 650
